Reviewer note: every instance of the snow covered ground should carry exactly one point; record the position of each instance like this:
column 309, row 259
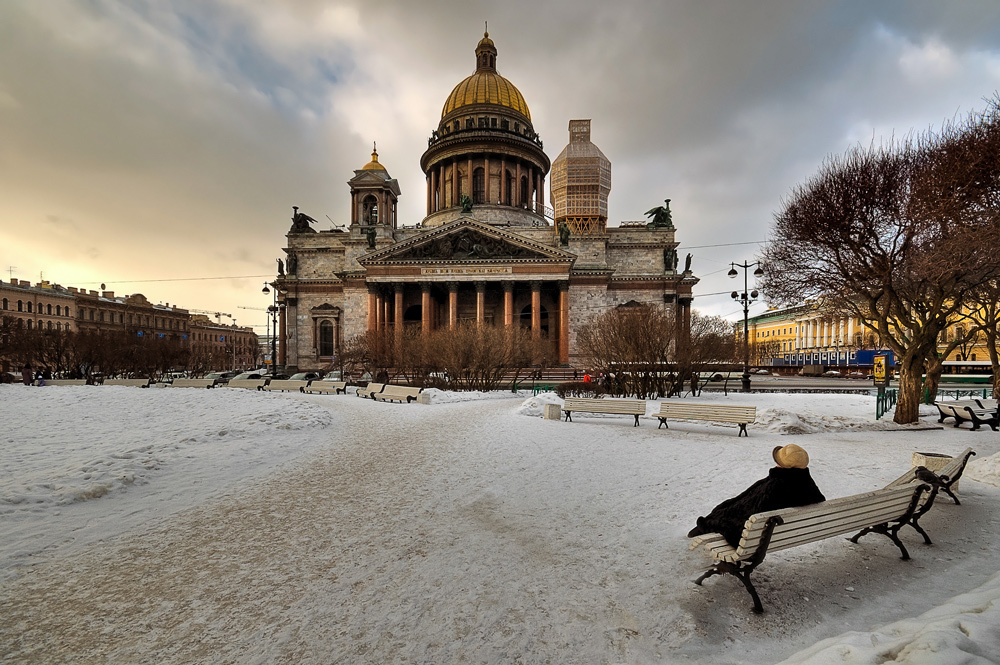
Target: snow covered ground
column 229, row 526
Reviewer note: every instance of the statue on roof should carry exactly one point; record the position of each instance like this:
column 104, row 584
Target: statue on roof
column 466, row 202
column 371, row 235
column 301, row 222
column 564, row 234
column 661, row 217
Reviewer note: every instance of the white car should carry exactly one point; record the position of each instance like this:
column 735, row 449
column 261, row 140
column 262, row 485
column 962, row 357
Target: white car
column 832, row 373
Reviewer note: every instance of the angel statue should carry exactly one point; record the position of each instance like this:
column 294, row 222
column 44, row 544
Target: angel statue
column 661, row 217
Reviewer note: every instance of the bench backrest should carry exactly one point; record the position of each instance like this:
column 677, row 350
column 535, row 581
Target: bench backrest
column 730, row 413
column 249, row 384
column 827, row 519
column 328, row 385
column 400, row 390
column 286, row 384
column 371, row 388
column 626, row 406
column 61, row 382
column 135, row 383
column 192, row 383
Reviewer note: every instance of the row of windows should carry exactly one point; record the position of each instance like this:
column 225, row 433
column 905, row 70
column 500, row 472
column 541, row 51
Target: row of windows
column 30, row 308
column 42, row 325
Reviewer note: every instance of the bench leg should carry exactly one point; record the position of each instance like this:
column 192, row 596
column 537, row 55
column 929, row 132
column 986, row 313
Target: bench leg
column 569, row 417
column 636, row 421
column 888, row 532
column 726, row 568
column 663, row 423
column 743, row 431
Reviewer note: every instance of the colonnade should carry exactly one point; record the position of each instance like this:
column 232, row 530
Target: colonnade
column 440, row 306
column 824, row 333
column 527, row 183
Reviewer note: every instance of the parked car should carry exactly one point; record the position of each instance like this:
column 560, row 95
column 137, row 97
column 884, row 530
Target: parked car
column 762, row 372
column 831, row 373
column 305, row 376
column 247, row 375
column 856, row 375
column 221, row 378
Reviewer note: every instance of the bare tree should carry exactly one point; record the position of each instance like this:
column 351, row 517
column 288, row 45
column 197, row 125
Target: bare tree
column 897, row 235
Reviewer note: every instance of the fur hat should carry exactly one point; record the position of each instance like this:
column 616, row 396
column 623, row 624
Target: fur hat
column 790, row 457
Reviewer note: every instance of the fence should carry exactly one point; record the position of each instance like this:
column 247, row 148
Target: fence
column 983, row 393
column 885, row 402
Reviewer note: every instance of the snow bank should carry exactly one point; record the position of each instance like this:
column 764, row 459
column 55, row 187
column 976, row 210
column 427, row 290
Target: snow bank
column 985, row 470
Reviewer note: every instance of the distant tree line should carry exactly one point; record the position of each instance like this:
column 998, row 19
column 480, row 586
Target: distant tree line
column 117, row 353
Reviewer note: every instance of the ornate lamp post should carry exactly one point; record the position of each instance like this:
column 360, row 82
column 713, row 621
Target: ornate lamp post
column 273, row 311
column 746, row 298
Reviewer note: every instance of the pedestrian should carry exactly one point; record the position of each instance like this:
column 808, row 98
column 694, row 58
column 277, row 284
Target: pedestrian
column 586, row 377
column 27, row 375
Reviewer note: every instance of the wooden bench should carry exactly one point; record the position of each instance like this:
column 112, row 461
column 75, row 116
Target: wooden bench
column 286, row 384
column 944, row 478
column 970, row 410
column 133, row 383
column 883, row 511
column 247, row 384
column 371, row 390
column 718, row 413
column 193, row 383
column 394, row 393
column 327, row 387
column 60, row 382
column 628, row 407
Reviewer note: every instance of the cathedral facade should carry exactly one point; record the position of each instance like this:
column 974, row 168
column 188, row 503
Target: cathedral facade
column 488, row 250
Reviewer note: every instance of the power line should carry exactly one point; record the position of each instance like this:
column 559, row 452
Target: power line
column 174, row 279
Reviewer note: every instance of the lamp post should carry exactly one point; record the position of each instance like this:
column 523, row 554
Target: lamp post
column 272, row 310
column 746, row 298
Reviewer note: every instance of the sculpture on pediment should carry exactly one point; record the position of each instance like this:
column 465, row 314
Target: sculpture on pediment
column 466, row 203
column 463, row 245
column 687, row 263
column 564, row 234
column 661, row 218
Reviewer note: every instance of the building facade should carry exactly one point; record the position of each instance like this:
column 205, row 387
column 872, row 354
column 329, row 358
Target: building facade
column 41, row 306
column 488, row 249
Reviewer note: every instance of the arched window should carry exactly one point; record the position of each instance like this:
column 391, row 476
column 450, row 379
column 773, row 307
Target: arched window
column 325, row 338
column 508, row 189
column 20, row 305
column 5, row 303
column 479, row 186
column 50, row 325
column 48, row 310
column 524, row 191
column 29, row 307
column 29, row 324
column 369, row 209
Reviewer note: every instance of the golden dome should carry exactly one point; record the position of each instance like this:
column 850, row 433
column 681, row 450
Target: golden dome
column 485, row 86
column 373, row 165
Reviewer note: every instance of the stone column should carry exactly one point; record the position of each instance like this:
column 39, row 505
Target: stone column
column 398, row 315
column 489, row 190
column 452, row 305
column 468, row 176
column 531, row 186
column 536, row 310
column 372, row 308
column 480, row 302
column 508, row 304
column 379, row 310
column 425, row 308
column 563, row 322
column 282, row 336
column 454, row 182
column 503, row 181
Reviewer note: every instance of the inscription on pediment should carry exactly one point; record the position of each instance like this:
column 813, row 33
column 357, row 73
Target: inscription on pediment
column 466, row 244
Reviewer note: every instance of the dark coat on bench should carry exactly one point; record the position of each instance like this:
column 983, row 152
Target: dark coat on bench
column 783, row 488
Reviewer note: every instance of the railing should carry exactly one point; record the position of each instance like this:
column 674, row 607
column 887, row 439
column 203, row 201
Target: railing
column 885, row 402
column 984, row 393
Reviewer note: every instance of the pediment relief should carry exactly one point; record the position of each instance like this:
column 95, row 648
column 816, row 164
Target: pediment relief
column 466, row 241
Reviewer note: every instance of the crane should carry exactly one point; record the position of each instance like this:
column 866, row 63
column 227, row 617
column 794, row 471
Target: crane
column 218, row 315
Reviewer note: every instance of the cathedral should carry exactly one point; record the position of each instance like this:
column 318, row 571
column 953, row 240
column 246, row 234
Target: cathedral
column 489, row 248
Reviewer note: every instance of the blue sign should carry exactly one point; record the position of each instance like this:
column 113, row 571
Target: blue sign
column 139, row 333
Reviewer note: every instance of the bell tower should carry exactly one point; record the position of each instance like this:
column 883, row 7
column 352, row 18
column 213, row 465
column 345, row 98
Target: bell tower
column 581, row 182
column 373, row 197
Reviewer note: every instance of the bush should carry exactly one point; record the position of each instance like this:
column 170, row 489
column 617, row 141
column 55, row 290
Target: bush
column 579, row 389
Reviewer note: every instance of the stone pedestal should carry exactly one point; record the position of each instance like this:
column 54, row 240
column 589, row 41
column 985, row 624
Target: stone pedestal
column 933, row 462
column 424, row 398
column 551, row 412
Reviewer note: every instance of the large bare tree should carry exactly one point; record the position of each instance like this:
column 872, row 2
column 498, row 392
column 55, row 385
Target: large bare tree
column 898, row 235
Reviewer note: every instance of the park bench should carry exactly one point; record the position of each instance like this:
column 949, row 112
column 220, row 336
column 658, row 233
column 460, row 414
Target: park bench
column 61, row 382
column 717, row 413
column 193, row 383
column 371, row 390
column 328, row 387
column 394, row 393
column 134, row 383
column 247, row 384
column 883, row 511
column 286, row 384
column 972, row 410
column 628, row 407
column 944, row 478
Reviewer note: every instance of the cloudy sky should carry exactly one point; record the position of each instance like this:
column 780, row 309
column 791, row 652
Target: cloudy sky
column 158, row 146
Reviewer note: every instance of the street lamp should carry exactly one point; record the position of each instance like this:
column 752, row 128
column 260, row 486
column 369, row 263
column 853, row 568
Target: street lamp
column 745, row 299
column 273, row 320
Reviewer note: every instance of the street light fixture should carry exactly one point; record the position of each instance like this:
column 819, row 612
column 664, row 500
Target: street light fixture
column 746, row 298
column 272, row 310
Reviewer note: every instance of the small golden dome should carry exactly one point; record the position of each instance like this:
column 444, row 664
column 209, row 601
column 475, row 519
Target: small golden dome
column 485, row 86
column 373, row 165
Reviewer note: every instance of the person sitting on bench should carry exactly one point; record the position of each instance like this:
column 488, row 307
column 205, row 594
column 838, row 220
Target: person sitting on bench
column 787, row 485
